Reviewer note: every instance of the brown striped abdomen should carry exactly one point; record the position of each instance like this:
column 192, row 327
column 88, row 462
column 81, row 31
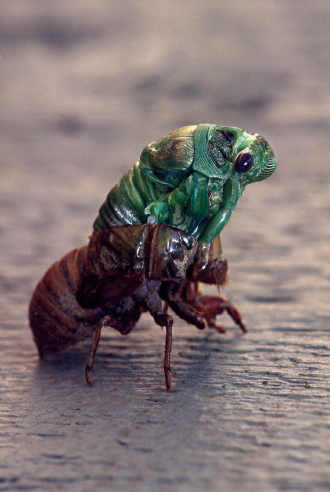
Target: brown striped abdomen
column 56, row 318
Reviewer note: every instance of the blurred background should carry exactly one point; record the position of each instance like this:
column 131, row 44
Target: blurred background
column 84, row 86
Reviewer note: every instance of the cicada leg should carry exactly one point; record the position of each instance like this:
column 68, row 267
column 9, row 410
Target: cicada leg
column 167, row 355
column 111, row 322
column 148, row 297
column 214, row 305
column 165, row 320
column 211, row 306
column 171, row 293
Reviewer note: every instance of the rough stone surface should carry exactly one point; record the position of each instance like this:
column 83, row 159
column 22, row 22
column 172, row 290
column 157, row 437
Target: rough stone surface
column 82, row 91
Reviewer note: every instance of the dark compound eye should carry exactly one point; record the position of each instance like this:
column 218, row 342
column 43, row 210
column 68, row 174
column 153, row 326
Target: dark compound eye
column 243, row 162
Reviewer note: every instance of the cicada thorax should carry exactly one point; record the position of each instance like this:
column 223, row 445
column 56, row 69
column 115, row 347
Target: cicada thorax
column 120, row 259
column 209, row 266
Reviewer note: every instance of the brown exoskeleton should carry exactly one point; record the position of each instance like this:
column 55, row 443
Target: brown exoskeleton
column 123, row 271
column 155, row 239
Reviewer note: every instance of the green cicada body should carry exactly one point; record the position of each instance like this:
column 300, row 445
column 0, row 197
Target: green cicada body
column 191, row 179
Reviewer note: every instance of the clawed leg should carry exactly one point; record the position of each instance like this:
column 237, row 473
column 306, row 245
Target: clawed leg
column 210, row 306
column 213, row 305
column 109, row 321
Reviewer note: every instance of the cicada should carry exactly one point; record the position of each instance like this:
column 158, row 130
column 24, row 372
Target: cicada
column 156, row 238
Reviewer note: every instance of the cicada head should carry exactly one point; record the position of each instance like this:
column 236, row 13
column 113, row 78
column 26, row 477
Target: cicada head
column 253, row 159
column 213, row 151
column 222, row 152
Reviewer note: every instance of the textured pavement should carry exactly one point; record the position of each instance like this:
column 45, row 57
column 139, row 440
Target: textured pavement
column 82, row 91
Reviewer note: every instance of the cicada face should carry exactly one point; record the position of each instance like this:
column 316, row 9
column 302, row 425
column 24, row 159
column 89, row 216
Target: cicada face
column 223, row 152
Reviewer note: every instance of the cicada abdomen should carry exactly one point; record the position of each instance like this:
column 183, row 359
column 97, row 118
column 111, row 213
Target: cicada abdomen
column 56, row 318
column 60, row 311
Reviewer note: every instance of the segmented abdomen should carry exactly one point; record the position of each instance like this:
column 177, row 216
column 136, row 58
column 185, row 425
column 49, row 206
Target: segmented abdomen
column 56, row 318
column 127, row 200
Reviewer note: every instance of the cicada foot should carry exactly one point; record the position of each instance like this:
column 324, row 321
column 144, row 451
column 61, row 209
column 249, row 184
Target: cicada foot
column 212, row 306
column 167, row 321
column 111, row 322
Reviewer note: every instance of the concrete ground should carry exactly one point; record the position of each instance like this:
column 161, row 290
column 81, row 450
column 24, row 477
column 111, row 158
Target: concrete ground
column 83, row 88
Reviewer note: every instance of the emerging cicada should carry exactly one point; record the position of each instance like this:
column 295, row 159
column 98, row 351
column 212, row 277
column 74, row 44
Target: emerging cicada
column 155, row 239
